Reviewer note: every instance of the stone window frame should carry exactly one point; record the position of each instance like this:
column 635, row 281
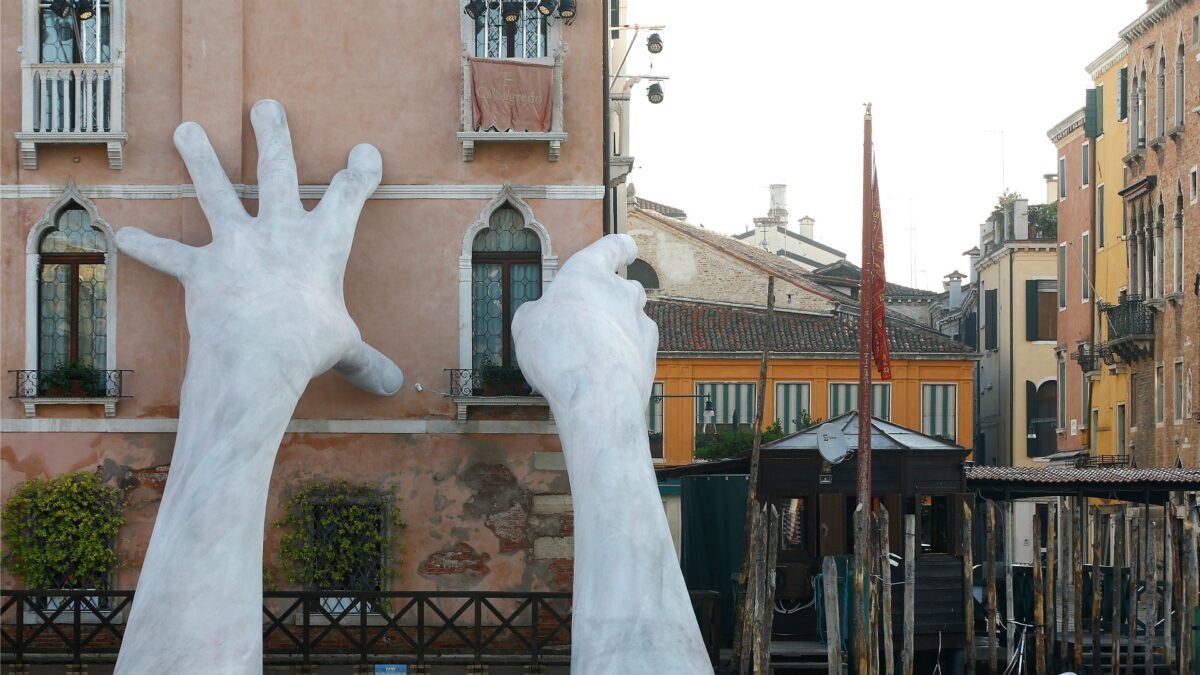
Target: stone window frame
column 1178, row 391
column 953, row 413
column 1160, row 394
column 553, row 34
column 505, row 197
column 70, row 195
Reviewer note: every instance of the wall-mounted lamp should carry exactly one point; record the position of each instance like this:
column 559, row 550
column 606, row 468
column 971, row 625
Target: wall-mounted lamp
column 475, row 8
column 655, row 93
column 547, row 7
column 510, row 11
column 567, row 9
column 654, row 43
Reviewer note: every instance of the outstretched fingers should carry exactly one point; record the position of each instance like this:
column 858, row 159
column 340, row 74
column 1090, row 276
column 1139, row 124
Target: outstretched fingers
column 607, row 255
column 370, row 370
column 213, row 189
column 165, row 255
column 278, row 187
column 351, row 187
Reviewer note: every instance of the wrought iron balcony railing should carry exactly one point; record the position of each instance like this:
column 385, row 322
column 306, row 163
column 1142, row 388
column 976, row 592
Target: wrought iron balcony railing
column 69, row 385
column 58, row 383
column 1103, row 461
column 299, row 628
column 1130, row 325
column 488, row 382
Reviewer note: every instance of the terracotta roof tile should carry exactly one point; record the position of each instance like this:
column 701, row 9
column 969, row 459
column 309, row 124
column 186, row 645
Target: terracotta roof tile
column 1072, row 476
column 687, row 326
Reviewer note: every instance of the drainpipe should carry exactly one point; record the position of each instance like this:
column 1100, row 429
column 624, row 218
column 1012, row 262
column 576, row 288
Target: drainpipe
column 1093, row 244
column 610, row 214
column 1012, row 256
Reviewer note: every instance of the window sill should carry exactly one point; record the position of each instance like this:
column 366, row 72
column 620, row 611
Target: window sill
column 1157, row 142
column 1175, row 298
column 113, row 139
column 464, row 403
column 1176, row 133
column 1132, row 157
column 1156, row 303
column 31, row 403
column 470, row 138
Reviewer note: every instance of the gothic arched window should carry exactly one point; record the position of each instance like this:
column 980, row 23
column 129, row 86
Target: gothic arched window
column 72, row 292
column 506, row 272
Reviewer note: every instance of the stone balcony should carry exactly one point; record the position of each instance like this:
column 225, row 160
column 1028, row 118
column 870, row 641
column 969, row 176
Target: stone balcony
column 72, row 103
column 469, row 134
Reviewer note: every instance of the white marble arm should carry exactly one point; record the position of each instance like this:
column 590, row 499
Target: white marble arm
column 265, row 315
column 590, row 349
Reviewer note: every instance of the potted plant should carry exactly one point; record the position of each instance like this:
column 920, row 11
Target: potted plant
column 59, row 532
column 340, row 537
column 72, row 379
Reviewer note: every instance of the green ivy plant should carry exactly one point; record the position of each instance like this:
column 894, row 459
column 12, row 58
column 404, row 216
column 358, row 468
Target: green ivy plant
column 59, row 532
column 334, row 540
column 62, row 376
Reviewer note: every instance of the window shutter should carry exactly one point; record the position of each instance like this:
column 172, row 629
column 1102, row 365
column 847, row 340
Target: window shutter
column 1123, row 94
column 1100, row 110
column 993, row 317
column 1031, row 408
column 1089, row 115
column 1031, row 309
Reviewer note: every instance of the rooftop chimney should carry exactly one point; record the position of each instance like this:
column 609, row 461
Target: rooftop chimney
column 1051, row 187
column 954, row 288
column 806, row 227
column 778, row 210
column 1020, row 218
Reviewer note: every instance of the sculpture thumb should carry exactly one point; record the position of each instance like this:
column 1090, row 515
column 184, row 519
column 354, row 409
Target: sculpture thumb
column 368, row 369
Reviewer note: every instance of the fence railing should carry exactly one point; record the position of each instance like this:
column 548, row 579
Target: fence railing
column 73, row 98
column 488, row 382
column 330, row 627
column 57, row 384
column 1130, row 317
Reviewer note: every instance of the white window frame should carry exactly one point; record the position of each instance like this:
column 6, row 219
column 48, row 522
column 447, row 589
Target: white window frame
column 1061, row 275
column 1194, row 184
column 1101, row 221
column 506, row 196
column 1120, row 437
column 1062, row 177
column 1160, row 395
column 1085, row 158
column 33, row 262
column 553, row 37
column 1085, row 286
column 1061, row 389
column 954, row 412
column 1178, row 409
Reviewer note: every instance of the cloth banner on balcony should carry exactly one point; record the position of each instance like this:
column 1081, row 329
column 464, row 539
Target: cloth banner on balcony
column 511, row 96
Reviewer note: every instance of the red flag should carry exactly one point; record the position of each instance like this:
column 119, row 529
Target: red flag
column 880, row 349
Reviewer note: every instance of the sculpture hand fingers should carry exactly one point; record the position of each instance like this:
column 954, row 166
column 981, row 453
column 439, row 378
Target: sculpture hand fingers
column 213, row 189
column 278, row 189
column 351, row 187
column 164, row 255
column 607, row 255
column 370, row 370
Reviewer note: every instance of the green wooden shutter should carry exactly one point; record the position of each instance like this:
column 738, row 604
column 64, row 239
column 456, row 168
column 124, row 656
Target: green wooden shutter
column 791, row 400
column 732, row 402
column 1123, row 94
column 843, row 398
column 1100, row 110
column 881, row 401
column 1089, row 114
column 939, row 410
column 990, row 331
column 654, row 412
column 1031, row 409
column 1031, row 310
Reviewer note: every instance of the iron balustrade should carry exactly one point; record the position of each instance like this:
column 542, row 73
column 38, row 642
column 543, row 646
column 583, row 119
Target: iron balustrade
column 330, row 627
column 1129, row 318
column 490, row 381
column 1085, row 356
column 1103, row 462
column 44, row 384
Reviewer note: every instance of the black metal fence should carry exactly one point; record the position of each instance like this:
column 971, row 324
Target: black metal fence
column 1130, row 317
column 490, row 381
column 73, row 383
column 324, row 627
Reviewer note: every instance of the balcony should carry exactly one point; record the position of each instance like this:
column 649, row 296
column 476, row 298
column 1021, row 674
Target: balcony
column 491, row 387
column 1130, row 328
column 74, row 103
column 79, row 386
column 470, row 133
column 1085, row 356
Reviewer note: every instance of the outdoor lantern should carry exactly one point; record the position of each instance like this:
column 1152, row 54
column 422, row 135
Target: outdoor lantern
column 61, row 8
column 709, row 411
column 546, row 7
column 85, row 9
column 475, row 8
column 566, row 9
column 655, row 94
column 654, row 43
column 511, row 11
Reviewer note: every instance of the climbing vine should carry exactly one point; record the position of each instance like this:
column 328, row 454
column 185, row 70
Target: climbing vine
column 340, row 536
column 59, row 532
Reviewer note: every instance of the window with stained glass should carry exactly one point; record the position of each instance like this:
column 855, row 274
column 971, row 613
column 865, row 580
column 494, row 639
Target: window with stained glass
column 524, row 38
column 506, row 272
column 72, row 292
column 71, row 40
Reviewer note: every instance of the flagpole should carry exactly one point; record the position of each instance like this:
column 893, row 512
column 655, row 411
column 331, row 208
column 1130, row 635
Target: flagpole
column 866, row 296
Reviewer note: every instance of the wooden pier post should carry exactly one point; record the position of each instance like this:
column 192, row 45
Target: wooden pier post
column 764, row 614
column 1078, row 511
column 833, row 626
column 1009, row 611
column 1118, row 591
column 1169, row 583
column 1097, row 596
column 885, row 575
column 1052, row 584
column 1039, row 610
column 1192, row 574
column 910, row 591
column 862, row 626
column 1134, row 569
column 1151, row 597
column 874, row 579
column 969, row 579
column 991, row 585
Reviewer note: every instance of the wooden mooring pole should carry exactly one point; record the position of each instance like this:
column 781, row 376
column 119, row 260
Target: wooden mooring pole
column 1169, row 583
column 1052, row 584
column 1077, row 579
column 1039, row 610
column 992, row 614
column 833, row 624
column 1097, row 580
column 1151, row 598
column 1117, row 589
column 1134, row 570
column 885, row 581
column 910, row 588
column 968, row 519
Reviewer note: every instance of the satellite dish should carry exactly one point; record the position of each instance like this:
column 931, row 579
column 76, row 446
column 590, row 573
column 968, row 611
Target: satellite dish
column 831, row 442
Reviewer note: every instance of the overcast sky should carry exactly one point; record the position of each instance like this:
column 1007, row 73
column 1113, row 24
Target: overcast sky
column 772, row 92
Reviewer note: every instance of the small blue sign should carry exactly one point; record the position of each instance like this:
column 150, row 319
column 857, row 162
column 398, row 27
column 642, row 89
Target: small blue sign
column 390, row 669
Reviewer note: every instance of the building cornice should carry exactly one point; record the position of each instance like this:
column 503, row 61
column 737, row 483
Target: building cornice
column 1107, row 60
column 314, row 191
column 1153, row 16
column 1015, row 247
column 1064, row 128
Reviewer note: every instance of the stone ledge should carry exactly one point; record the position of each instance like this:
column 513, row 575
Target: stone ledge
column 554, row 548
column 549, row 461
column 552, row 503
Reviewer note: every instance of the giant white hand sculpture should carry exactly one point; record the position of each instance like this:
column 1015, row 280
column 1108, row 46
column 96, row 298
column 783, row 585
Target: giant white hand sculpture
column 266, row 314
column 590, row 349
